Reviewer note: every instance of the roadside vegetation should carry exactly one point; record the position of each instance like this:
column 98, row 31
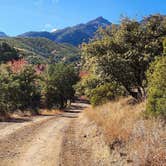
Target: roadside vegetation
column 28, row 88
column 126, row 85
column 156, row 101
column 58, row 84
column 121, row 55
column 132, row 138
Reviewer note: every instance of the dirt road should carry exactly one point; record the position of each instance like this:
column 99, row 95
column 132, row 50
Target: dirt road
column 67, row 139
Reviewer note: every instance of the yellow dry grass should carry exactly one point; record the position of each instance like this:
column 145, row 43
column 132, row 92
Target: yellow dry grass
column 29, row 113
column 124, row 127
column 116, row 119
column 50, row 112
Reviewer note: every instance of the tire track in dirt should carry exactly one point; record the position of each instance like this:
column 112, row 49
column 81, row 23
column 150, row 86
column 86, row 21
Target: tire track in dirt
column 67, row 139
column 13, row 146
column 46, row 146
column 83, row 145
column 72, row 153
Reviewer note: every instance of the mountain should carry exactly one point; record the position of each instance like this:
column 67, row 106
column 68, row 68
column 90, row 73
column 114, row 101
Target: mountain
column 42, row 50
column 2, row 34
column 73, row 35
column 42, row 34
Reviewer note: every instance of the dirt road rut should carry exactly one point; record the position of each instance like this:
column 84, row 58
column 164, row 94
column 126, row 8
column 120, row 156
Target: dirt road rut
column 62, row 140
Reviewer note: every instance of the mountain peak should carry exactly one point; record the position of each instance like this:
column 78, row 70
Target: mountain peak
column 2, row 34
column 99, row 20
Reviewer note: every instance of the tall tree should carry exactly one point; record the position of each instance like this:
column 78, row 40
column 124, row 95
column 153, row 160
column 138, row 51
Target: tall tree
column 123, row 54
column 59, row 81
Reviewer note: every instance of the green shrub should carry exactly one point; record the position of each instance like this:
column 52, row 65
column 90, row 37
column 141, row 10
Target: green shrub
column 86, row 85
column 105, row 93
column 156, row 101
column 18, row 90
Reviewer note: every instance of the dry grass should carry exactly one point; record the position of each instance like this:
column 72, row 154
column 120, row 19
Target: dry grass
column 116, row 119
column 50, row 112
column 28, row 113
column 143, row 141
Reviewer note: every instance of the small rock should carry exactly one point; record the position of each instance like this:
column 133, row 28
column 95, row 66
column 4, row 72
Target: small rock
column 85, row 136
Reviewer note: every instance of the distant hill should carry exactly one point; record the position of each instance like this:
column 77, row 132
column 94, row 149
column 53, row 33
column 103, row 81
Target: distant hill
column 42, row 50
column 7, row 53
column 2, row 34
column 73, row 35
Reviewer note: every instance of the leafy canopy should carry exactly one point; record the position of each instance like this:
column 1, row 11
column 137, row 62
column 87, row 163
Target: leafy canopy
column 59, row 80
column 123, row 53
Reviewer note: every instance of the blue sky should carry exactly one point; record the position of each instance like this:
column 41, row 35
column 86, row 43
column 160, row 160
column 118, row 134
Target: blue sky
column 19, row 16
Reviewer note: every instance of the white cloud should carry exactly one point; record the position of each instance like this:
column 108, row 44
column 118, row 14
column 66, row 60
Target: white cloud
column 54, row 30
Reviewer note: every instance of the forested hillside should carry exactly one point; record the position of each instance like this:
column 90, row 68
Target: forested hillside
column 42, row 50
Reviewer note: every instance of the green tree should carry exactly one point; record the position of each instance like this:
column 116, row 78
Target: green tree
column 7, row 53
column 6, row 88
column 156, row 101
column 58, row 83
column 18, row 90
column 123, row 54
column 28, row 93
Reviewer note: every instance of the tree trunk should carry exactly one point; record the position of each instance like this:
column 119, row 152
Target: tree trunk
column 140, row 95
column 61, row 103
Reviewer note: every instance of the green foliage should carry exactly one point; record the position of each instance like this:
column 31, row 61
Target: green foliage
column 123, row 54
column 6, row 89
column 86, row 85
column 164, row 45
column 7, row 53
column 28, row 90
column 104, row 93
column 58, row 85
column 23, row 89
column 97, row 91
column 18, row 90
column 156, row 101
